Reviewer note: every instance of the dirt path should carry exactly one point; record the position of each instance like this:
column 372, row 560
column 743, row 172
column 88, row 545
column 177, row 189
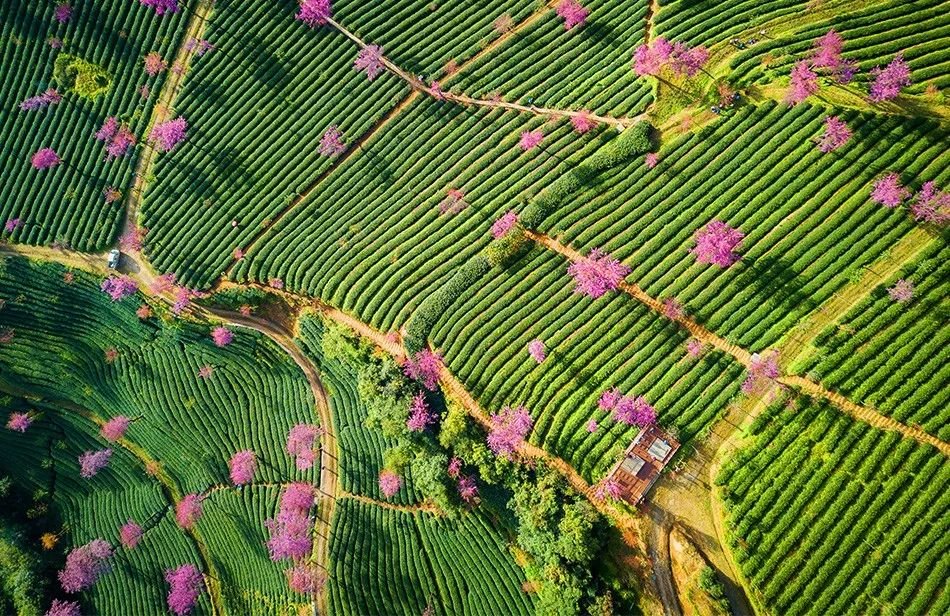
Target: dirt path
column 420, row 508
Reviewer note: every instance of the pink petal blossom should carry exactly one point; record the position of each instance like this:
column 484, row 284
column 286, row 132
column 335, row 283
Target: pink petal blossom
column 185, row 585
column 686, row 60
column 161, row 6
column 242, row 465
column 763, row 367
column 119, row 287
column 108, row 129
column 672, row 309
column 694, row 347
column 468, row 490
column 45, row 158
column 651, row 160
column 888, row 81
column 91, row 462
column 888, row 191
column 85, row 565
column 420, row 417
column 828, row 50
column 63, row 608
column 716, row 244
column 166, row 136
column 115, row 428
column 454, row 468
column 608, row 488
column 650, row 59
column 389, row 483
column 591, row 426
column 331, row 143
column 509, row 428
column 582, row 122
column 41, row 101
column 154, row 64
column 836, row 134
column 453, row 203
column 370, row 61
column 19, row 422
column 425, row 367
column 634, row 411
column 302, row 444
column 188, row 511
column 205, row 372
column 63, row 12
column 536, row 350
column 504, row 224
column 130, row 534
column 902, row 291
column 304, row 579
column 931, row 205
column 222, row 336
column 314, row 12
column 572, row 12
column 530, row 139
column 804, row 83
column 608, row 399
column 12, row 225
column 597, row 274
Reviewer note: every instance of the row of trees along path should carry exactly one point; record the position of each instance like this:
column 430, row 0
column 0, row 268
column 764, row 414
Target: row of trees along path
column 744, row 357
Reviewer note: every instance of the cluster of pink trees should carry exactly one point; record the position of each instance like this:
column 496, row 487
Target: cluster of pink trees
column 630, row 410
column 85, row 565
column 389, row 483
column 119, row 287
column 716, row 244
column 290, row 529
column 835, row 136
column 19, row 422
column 161, row 6
column 242, row 466
column 91, row 462
column 303, row 579
column 582, row 122
column 420, row 417
column 930, row 204
column 504, row 224
column 189, row 510
column 166, row 136
column 607, row 488
column 424, row 367
column 118, row 137
column 302, row 444
column 42, row 101
column 154, row 64
column 530, row 139
column 597, row 273
column 672, row 309
column 185, row 585
column 679, row 58
column 572, row 12
column 509, row 428
column 762, row 368
column 63, row 608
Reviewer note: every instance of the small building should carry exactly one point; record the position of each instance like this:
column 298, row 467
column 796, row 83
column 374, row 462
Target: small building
column 642, row 463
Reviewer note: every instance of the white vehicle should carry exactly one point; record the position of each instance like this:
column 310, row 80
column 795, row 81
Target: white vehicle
column 114, row 257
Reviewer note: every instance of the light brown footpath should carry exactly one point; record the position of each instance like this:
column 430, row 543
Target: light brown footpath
column 743, row 356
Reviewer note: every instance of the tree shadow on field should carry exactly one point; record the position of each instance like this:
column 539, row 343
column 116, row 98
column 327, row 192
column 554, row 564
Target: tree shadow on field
column 229, row 164
column 23, row 19
column 773, row 280
column 268, row 68
column 602, row 35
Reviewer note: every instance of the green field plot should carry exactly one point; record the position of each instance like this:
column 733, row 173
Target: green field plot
column 873, row 36
column 396, row 562
column 584, row 68
column 808, row 218
column 593, row 345
column 371, row 240
column 65, row 204
column 709, row 22
column 831, row 516
column 893, row 356
column 190, row 425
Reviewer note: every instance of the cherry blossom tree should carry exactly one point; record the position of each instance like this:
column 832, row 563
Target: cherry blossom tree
column 12, row 225
column 222, row 336
column 425, row 367
column 370, row 61
column 763, row 367
column 803, row 83
column 290, row 530
column 119, row 287
column 597, row 273
column 836, row 134
column 185, row 585
column 132, row 239
column 503, row 23
column 454, row 202
column 154, row 64
column 694, row 347
column 304, row 579
column 591, row 426
column 634, row 411
column 537, row 351
column 889, row 80
column 468, row 490
column 672, row 309
column 242, row 466
column 902, row 291
column 607, row 488
column 716, row 244
column 188, row 511
column 509, row 428
column 115, row 428
column 651, row 160
column 608, row 399
column 454, row 467
column 205, row 372
column 420, row 417
column 130, row 534
column 887, row 191
column 314, row 12
column 504, row 224
column 161, row 6
column 91, row 462
column 41, row 101
column 45, row 158
column 649, row 59
column 166, row 136
column 827, row 55
column 572, row 12
column 582, row 122
column 530, row 139
column 63, row 12
column 931, row 205
column 302, row 444
column 687, row 61
column 85, row 565
column 63, row 608
column 331, row 143
column 19, row 422
column 389, row 483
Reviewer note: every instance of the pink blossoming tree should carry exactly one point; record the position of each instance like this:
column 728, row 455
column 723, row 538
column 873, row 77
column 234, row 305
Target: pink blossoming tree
column 130, row 534
column 607, row 488
column 582, row 122
column 119, row 287
column 530, row 139
column 888, row 191
column 572, row 12
column 370, row 61
column 835, row 136
column 931, row 205
column 115, row 428
column 314, row 12
column 154, row 64
column 591, row 426
column 166, row 136
column 504, row 224
column 650, row 59
column 188, row 511
column 902, row 291
column 509, row 428
column 803, row 83
column 41, row 101
column 389, row 483
column 222, row 336
column 305, row 580
column 161, row 6
column 19, row 422
column 425, row 367
column 597, row 273
column 537, row 351
column 91, row 462
column 454, row 202
column 242, row 466
column 468, row 490
column 889, row 80
column 420, row 417
column 185, row 585
column 290, row 530
column 45, row 158
column 763, row 367
column 63, row 608
column 651, row 160
column 331, row 143
column 302, row 444
column 12, row 225
column 63, row 12
column 85, row 565
column 716, row 244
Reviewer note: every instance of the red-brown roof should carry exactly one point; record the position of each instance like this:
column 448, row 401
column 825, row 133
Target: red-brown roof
column 642, row 463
